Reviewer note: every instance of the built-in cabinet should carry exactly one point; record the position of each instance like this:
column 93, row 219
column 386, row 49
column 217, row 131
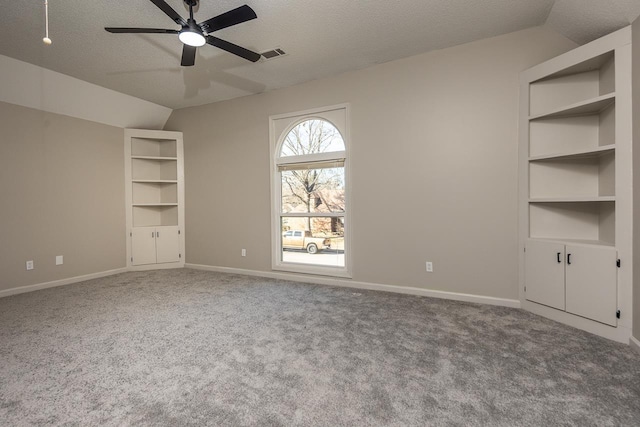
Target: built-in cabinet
column 154, row 179
column 578, row 279
column 155, row 245
column 575, row 186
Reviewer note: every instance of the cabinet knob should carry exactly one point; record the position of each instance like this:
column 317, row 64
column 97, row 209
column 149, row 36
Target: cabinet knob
column 559, row 255
column 569, row 259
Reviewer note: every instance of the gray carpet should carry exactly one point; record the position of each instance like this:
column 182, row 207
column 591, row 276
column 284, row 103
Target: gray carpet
column 187, row 347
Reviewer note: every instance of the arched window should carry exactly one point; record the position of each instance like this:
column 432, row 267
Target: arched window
column 310, row 193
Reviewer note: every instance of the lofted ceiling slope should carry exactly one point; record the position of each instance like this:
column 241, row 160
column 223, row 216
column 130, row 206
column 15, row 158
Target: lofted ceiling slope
column 321, row 38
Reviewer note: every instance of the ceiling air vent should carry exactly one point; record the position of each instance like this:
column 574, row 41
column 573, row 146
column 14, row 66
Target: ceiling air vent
column 273, row 53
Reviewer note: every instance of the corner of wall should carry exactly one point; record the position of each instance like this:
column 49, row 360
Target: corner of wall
column 635, row 76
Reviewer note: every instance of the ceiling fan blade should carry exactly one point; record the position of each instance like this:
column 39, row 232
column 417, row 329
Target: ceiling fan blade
column 188, row 56
column 141, row 30
column 168, row 10
column 233, row 48
column 227, row 19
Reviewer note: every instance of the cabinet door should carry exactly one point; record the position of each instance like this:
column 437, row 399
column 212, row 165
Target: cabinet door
column 592, row 283
column 167, row 244
column 143, row 245
column 544, row 273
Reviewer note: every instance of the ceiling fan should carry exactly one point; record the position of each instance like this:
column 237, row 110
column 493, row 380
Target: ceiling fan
column 194, row 34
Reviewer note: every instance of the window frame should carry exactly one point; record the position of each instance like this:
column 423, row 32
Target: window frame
column 279, row 127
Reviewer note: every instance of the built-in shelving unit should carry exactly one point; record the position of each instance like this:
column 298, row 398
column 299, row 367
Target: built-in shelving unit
column 574, row 183
column 155, row 196
column 571, row 164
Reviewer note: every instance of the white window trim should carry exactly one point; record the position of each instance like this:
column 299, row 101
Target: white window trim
column 276, row 196
column 310, row 158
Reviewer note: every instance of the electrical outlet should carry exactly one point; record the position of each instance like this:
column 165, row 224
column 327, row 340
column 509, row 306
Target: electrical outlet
column 29, row 265
column 59, row 260
column 244, row 252
column 429, row 267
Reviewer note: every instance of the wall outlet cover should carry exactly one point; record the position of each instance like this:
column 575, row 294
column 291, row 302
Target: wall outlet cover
column 59, row 260
column 30, row 265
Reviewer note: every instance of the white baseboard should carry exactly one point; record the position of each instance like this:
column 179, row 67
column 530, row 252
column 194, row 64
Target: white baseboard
column 504, row 302
column 147, row 267
column 620, row 333
column 61, row 282
column 634, row 343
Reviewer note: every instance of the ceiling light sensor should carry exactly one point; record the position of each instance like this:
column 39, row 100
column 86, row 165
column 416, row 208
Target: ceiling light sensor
column 192, row 34
column 46, row 38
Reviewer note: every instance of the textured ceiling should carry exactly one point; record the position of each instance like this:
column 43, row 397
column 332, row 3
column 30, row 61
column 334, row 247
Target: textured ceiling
column 585, row 20
column 321, row 38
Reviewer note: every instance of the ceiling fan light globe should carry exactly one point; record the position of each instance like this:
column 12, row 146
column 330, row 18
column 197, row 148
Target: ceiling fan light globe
column 192, row 38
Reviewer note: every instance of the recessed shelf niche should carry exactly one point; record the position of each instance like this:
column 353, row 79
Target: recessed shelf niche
column 153, row 216
column 588, row 175
column 574, row 134
column 584, row 81
column 147, row 147
column 587, row 222
column 153, row 170
column 154, row 193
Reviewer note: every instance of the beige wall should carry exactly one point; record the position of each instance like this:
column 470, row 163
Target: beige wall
column 62, row 192
column 434, row 166
column 636, row 176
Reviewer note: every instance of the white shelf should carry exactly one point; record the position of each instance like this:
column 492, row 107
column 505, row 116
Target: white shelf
column 156, row 181
column 589, row 106
column 154, row 204
column 576, row 241
column 590, row 64
column 573, row 199
column 580, row 154
column 155, row 158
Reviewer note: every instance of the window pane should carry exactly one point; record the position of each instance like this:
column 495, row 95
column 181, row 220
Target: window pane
column 313, row 190
column 312, row 137
column 320, row 241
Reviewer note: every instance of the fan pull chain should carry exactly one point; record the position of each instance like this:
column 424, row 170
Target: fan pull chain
column 46, row 39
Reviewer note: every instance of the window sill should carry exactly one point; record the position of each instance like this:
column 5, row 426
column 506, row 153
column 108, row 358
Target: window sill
column 337, row 272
